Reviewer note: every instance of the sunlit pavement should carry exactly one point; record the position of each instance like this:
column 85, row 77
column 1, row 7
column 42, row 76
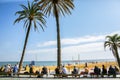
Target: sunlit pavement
column 59, row 79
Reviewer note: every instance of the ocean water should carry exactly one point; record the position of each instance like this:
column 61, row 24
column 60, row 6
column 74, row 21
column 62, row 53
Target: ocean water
column 51, row 63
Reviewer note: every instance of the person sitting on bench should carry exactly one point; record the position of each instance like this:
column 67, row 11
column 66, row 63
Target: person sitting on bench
column 104, row 71
column 111, row 71
column 44, row 71
column 75, row 70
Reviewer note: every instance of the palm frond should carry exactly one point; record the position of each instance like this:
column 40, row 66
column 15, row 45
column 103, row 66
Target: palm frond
column 62, row 6
column 19, row 19
column 31, row 13
column 24, row 7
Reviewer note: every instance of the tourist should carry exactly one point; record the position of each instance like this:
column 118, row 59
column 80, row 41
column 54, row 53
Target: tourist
column 15, row 69
column 44, row 71
column 75, row 70
column 104, row 71
column 85, row 72
column 2, row 69
column 57, row 70
column 111, row 71
column 116, row 69
column 27, row 69
column 64, row 70
column 97, row 71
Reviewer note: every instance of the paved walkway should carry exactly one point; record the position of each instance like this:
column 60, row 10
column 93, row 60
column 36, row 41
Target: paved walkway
column 59, row 79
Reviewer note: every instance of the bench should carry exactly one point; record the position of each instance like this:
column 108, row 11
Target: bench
column 5, row 73
column 92, row 74
column 29, row 74
column 65, row 75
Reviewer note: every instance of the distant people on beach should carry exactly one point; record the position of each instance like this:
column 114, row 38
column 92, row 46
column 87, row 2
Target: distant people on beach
column 15, row 69
column 57, row 70
column 86, row 64
column 31, row 69
column 8, row 68
column 97, row 70
column 17, row 65
column 64, row 70
column 104, row 71
column 85, row 72
column 111, row 71
column 44, row 70
column 27, row 69
column 2, row 69
column 75, row 70
column 116, row 69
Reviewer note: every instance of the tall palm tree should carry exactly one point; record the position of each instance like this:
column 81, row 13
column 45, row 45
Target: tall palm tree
column 56, row 8
column 31, row 15
column 113, row 42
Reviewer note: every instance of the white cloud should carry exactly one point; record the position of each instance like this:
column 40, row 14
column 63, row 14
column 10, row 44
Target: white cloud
column 49, row 43
column 87, row 51
column 71, row 41
column 89, row 47
column 71, row 49
column 78, row 40
column 42, row 51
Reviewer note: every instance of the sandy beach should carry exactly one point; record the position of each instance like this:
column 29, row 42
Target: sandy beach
column 79, row 66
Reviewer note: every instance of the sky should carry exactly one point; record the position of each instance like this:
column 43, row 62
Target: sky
column 82, row 33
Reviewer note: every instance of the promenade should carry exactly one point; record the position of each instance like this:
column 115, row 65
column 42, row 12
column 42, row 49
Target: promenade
column 59, row 79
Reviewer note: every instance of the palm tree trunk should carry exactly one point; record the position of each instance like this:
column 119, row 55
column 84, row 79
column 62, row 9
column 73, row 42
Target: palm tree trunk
column 118, row 59
column 24, row 48
column 117, row 56
column 58, row 38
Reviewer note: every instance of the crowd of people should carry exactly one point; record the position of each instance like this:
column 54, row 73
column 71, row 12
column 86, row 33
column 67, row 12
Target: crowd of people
column 96, row 71
column 10, row 69
column 63, row 70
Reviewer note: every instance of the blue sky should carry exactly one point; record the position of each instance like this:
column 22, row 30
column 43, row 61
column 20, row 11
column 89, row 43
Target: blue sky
column 82, row 33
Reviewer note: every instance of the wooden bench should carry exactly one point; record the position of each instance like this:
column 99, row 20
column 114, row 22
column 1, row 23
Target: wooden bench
column 5, row 73
column 29, row 74
column 92, row 74
column 65, row 75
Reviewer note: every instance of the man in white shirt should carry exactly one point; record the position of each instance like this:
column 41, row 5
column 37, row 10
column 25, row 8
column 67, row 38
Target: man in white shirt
column 64, row 70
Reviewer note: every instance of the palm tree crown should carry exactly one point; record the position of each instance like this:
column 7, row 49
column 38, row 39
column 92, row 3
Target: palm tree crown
column 31, row 15
column 62, row 6
column 113, row 42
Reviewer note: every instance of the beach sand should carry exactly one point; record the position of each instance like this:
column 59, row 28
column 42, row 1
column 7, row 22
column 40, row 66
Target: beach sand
column 79, row 66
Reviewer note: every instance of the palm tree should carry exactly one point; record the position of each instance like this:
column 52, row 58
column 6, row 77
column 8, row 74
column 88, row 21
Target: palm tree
column 113, row 42
column 57, row 8
column 31, row 15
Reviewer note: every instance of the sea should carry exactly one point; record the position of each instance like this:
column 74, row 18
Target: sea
column 53, row 63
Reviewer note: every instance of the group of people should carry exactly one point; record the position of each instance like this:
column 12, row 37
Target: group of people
column 97, row 71
column 30, row 69
column 111, row 70
column 10, row 69
column 64, row 70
